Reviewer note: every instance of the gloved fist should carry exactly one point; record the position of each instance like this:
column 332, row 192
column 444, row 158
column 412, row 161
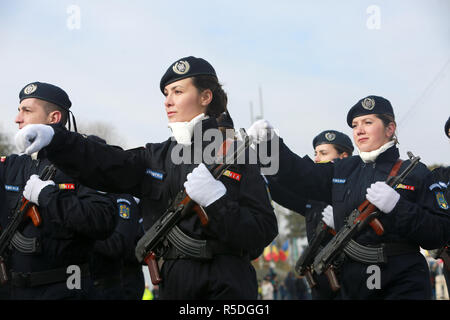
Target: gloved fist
column 261, row 130
column 327, row 216
column 33, row 137
column 202, row 187
column 382, row 196
column 34, row 187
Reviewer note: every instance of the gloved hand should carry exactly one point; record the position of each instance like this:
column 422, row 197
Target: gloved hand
column 33, row 137
column 261, row 130
column 327, row 216
column 34, row 187
column 202, row 187
column 382, row 196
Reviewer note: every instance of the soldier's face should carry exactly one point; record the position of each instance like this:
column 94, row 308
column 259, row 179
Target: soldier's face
column 325, row 152
column 31, row 110
column 183, row 101
column 369, row 132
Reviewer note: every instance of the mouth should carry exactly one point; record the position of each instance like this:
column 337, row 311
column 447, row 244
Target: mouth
column 362, row 140
column 170, row 114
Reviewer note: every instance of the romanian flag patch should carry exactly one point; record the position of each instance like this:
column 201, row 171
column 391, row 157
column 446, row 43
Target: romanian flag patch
column 232, row 175
column 405, row 187
column 66, row 186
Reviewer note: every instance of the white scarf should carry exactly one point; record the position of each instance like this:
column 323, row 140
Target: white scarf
column 182, row 131
column 371, row 156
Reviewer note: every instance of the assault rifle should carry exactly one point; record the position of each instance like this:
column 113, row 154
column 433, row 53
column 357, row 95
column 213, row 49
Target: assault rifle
column 23, row 209
column 304, row 265
column 152, row 245
column 357, row 221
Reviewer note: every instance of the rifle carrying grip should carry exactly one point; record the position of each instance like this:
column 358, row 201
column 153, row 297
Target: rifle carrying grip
column 153, row 268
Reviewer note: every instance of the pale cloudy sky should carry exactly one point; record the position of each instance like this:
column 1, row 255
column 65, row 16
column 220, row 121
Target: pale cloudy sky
column 312, row 59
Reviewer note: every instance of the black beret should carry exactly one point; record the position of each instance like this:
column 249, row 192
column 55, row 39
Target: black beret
column 185, row 68
column 369, row 105
column 333, row 137
column 447, row 126
column 47, row 92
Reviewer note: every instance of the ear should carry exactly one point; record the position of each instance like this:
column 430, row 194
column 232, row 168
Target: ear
column 206, row 97
column 390, row 129
column 54, row 117
column 343, row 155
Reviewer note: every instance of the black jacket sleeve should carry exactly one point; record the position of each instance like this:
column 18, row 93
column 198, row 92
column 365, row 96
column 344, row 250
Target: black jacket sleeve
column 311, row 180
column 87, row 212
column 99, row 166
column 427, row 221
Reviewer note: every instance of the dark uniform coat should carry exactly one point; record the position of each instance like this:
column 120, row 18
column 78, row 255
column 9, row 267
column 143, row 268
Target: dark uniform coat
column 242, row 219
column 343, row 184
column 73, row 217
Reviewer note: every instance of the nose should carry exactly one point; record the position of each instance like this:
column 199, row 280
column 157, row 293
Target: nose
column 19, row 118
column 317, row 158
column 168, row 101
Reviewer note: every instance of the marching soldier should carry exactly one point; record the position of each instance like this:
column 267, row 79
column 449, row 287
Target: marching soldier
column 45, row 257
column 346, row 183
column 241, row 219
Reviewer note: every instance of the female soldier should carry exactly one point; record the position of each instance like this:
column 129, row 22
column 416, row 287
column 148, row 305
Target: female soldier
column 241, row 219
column 348, row 182
column 328, row 145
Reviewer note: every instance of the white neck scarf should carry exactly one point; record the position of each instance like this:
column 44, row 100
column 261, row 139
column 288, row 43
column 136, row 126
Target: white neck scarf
column 182, row 131
column 373, row 155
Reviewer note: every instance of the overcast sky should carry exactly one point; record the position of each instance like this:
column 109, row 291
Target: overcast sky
column 313, row 60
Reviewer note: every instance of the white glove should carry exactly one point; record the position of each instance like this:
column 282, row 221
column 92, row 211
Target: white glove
column 34, row 187
column 202, row 187
column 382, row 196
column 33, row 137
column 327, row 216
column 261, row 130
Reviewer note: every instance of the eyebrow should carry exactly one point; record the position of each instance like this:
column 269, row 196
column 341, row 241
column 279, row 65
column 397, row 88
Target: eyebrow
column 24, row 108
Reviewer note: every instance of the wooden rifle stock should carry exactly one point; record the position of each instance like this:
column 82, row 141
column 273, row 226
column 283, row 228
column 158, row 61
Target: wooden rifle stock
column 153, row 268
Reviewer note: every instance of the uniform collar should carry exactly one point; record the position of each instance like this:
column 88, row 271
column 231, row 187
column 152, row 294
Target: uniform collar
column 372, row 156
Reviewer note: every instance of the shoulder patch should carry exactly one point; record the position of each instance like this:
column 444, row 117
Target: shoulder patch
column 124, row 210
column 232, row 175
column 66, row 186
column 155, row 174
column 2, row 158
column 405, row 187
column 11, row 188
column 440, row 198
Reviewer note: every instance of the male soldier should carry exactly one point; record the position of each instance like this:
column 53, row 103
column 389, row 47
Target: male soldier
column 111, row 259
column 50, row 260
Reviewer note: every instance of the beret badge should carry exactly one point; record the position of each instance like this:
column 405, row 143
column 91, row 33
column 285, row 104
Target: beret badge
column 330, row 136
column 181, row 67
column 30, row 89
column 368, row 103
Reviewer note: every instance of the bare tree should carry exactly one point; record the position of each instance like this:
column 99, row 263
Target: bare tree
column 103, row 130
column 6, row 146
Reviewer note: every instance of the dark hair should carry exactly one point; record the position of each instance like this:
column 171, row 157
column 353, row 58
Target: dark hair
column 219, row 100
column 50, row 107
column 340, row 150
column 387, row 119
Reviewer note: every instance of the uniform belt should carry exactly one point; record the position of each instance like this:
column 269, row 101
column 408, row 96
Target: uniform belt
column 34, row 279
column 184, row 247
column 379, row 253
